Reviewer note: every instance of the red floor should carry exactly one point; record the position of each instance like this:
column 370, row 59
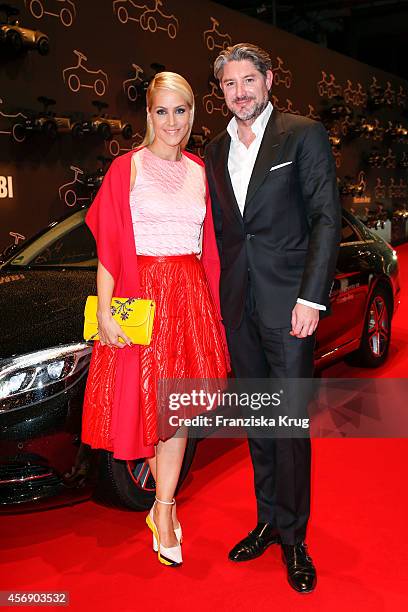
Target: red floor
column 357, row 533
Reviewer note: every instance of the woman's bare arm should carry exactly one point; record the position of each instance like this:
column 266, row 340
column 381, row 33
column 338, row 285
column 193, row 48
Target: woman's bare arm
column 109, row 329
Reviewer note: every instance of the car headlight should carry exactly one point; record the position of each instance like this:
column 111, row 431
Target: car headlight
column 34, row 377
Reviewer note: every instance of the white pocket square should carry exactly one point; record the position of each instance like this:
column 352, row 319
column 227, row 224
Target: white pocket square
column 280, row 165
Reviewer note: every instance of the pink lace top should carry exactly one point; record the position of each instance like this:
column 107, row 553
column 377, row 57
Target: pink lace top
column 167, row 204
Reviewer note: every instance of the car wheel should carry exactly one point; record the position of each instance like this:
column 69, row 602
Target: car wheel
column 209, row 107
column 127, row 132
column 19, row 132
column 104, row 131
column 122, row 14
column 172, row 30
column 210, row 43
column 77, row 131
column 50, row 130
column 43, row 46
column 66, row 17
column 129, row 483
column 15, row 41
column 99, row 87
column 74, row 83
column 132, row 93
column 376, row 337
column 114, row 148
column 70, row 197
column 151, row 24
column 36, row 9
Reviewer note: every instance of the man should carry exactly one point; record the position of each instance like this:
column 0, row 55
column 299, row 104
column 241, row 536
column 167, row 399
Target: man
column 277, row 219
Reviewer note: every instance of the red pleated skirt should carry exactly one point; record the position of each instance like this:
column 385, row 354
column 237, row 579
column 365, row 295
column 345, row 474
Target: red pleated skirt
column 187, row 341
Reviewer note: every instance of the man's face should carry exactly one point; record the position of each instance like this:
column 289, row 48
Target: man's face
column 245, row 89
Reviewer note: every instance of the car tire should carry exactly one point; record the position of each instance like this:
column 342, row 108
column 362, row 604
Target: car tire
column 77, row 131
column 43, row 46
column 99, row 87
column 50, row 130
column 151, row 24
column 15, row 41
column 36, row 9
column 104, row 131
column 375, row 341
column 70, row 198
column 19, row 133
column 66, row 17
column 128, row 484
column 122, row 14
column 114, row 148
column 132, row 93
column 172, row 30
column 209, row 107
column 210, row 43
column 127, row 132
column 74, row 83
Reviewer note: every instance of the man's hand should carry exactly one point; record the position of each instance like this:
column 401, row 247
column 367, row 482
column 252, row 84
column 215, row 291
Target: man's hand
column 304, row 321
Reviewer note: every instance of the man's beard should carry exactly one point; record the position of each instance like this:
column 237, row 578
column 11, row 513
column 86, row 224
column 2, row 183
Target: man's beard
column 254, row 113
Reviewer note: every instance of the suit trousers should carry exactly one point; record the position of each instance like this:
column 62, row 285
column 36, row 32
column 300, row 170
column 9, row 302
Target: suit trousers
column 281, row 465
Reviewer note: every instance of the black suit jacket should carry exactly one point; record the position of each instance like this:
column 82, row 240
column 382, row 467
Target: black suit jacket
column 288, row 237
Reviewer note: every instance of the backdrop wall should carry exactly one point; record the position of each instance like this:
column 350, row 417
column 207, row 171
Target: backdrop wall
column 104, row 50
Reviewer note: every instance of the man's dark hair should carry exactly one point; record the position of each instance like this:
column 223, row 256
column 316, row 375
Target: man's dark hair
column 243, row 51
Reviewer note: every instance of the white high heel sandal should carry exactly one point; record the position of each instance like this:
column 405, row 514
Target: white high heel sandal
column 177, row 530
column 171, row 555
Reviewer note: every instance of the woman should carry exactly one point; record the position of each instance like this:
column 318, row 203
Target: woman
column 150, row 219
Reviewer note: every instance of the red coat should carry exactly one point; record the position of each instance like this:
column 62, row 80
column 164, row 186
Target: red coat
column 111, row 415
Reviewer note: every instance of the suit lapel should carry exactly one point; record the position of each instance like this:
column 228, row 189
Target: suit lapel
column 267, row 154
column 222, row 175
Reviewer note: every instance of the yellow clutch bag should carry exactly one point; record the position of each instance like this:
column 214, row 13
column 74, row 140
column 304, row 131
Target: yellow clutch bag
column 134, row 315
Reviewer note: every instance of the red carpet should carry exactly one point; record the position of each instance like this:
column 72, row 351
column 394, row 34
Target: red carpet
column 357, row 533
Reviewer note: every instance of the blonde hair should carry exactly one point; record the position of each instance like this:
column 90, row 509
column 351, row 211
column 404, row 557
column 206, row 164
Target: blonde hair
column 170, row 81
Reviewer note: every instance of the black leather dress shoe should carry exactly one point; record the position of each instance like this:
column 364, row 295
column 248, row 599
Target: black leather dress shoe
column 255, row 544
column 301, row 571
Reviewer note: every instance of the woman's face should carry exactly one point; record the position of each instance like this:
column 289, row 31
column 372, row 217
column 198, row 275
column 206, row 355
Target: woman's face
column 170, row 116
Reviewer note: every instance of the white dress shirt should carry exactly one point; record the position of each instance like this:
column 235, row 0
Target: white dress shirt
column 241, row 161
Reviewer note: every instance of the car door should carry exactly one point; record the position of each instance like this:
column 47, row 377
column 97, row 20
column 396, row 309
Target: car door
column 349, row 292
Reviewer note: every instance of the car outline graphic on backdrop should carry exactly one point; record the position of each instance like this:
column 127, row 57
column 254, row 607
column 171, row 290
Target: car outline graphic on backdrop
column 199, row 140
column 209, row 38
column 357, row 97
column 15, row 127
column 69, row 195
column 129, row 85
column 328, row 88
column 281, row 75
column 114, row 146
column 214, row 102
column 66, row 14
column 147, row 19
column 73, row 81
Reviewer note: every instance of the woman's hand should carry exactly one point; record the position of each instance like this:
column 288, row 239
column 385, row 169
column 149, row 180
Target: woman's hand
column 109, row 331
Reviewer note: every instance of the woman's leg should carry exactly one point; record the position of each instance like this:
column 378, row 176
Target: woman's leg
column 169, row 458
column 152, row 461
